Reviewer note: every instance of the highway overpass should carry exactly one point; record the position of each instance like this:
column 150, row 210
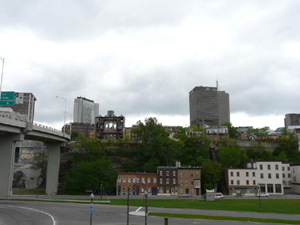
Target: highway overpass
column 12, row 131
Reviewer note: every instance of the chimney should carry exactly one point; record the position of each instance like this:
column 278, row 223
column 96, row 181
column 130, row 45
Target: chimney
column 178, row 163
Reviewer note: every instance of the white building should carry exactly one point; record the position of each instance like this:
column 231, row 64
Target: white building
column 295, row 173
column 286, row 175
column 85, row 110
column 266, row 174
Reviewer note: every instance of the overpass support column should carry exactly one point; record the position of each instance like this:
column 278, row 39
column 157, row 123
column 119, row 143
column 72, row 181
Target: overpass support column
column 53, row 150
column 7, row 161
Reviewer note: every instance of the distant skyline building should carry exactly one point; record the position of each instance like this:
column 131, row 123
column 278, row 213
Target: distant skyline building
column 85, row 110
column 24, row 104
column 208, row 106
column 292, row 119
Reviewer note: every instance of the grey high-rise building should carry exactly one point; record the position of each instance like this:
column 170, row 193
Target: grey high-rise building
column 292, row 119
column 208, row 106
column 85, row 110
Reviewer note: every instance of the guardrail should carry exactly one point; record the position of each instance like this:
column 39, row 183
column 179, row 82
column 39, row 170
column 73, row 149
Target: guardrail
column 46, row 127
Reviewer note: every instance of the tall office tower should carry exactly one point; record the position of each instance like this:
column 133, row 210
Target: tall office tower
column 24, row 104
column 292, row 119
column 85, row 110
column 208, row 106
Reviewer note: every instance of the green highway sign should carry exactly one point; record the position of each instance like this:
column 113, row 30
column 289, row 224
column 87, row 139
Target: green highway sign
column 7, row 98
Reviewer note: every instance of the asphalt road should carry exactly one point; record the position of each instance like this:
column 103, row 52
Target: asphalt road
column 34, row 213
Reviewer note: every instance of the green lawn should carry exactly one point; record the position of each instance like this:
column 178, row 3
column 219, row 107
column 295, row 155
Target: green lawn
column 285, row 206
column 228, row 218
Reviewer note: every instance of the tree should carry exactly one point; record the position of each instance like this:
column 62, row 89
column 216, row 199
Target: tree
column 89, row 175
column 231, row 129
column 229, row 157
column 211, row 174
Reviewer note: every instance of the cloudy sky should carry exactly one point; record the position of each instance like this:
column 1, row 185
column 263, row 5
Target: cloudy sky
column 141, row 58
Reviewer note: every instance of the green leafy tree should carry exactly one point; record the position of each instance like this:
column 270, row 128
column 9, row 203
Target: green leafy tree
column 89, row 175
column 211, row 174
column 229, row 157
column 231, row 129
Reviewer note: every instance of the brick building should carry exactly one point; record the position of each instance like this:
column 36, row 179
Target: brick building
column 136, row 183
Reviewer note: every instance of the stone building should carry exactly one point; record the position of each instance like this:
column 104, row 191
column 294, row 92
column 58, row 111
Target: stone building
column 109, row 126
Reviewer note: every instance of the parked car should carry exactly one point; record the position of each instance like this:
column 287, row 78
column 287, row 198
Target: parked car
column 185, row 196
column 263, row 195
column 219, row 196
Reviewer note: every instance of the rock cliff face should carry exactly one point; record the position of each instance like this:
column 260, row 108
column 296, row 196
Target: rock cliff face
column 26, row 177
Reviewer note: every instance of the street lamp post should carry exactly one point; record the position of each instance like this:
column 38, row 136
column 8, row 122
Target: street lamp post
column 146, row 201
column 2, row 59
column 64, row 113
column 70, row 130
column 91, row 209
column 128, row 190
column 259, row 193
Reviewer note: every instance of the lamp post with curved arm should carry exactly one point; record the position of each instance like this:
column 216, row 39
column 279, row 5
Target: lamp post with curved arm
column 2, row 59
column 64, row 113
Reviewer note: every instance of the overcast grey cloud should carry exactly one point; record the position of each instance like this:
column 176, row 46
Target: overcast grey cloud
column 141, row 58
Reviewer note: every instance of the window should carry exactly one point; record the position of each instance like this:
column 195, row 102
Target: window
column 143, row 180
column 237, row 174
column 238, row 182
column 191, row 174
column 180, row 174
column 167, row 181
column 283, row 168
column 269, row 176
column 160, row 181
column 231, row 182
column 181, row 190
column 261, row 167
column 269, row 167
column 247, row 174
column 133, row 179
column 283, row 175
column 119, row 179
column 160, row 173
column 270, row 188
column 174, row 181
column 149, row 180
column 124, row 179
column 154, row 180
column 174, row 173
column 247, row 182
column 276, row 167
column 253, row 174
column 167, row 173
column 277, row 175
column 262, row 188
column 261, row 175
column 123, row 187
column 197, row 174
column 288, row 168
column 289, row 175
column 186, row 183
column 138, row 180
column 231, row 174
column 181, row 182
column 254, row 182
column 192, row 183
column 278, row 188
column 186, row 174
column 129, row 179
